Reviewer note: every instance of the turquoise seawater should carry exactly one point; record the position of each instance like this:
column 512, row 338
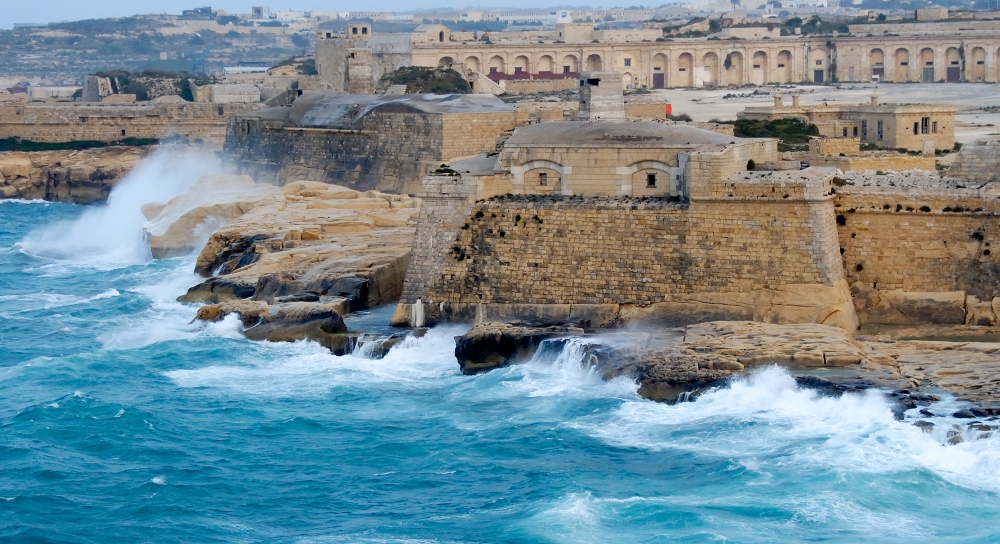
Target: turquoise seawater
column 120, row 421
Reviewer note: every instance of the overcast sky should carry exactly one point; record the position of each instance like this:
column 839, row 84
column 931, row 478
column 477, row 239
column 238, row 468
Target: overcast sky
column 46, row 11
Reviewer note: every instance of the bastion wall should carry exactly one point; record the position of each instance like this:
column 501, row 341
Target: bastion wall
column 920, row 240
column 765, row 249
column 112, row 122
column 388, row 151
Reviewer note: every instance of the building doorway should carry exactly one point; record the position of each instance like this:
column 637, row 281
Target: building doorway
column 818, row 76
column 658, row 80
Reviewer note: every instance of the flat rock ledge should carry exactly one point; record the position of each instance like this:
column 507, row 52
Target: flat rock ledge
column 672, row 365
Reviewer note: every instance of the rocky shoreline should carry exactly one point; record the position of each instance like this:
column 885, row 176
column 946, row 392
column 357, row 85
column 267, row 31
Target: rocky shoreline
column 78, row 177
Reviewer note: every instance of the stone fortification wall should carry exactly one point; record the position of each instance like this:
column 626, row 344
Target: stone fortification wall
column 755, row 255
column 105, row 122
column 532, row 86
column 874, row 161
column 389, row 151
column 978, row 162
column 921, row 240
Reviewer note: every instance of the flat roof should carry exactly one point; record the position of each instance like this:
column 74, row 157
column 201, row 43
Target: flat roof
column 633, row 134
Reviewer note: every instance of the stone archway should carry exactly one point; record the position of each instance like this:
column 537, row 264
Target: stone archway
column 975, row 67
column 710, row 70
column 594, row 63
column 672, row 179
column 522, row 65
column 953, row 65
column 472, row 64
column 545, row 65
column 685, row 70
column 928, row 74
column 497, row 65
column 761, row 70
column 784, row 74
column 876, row 62
column 901, row 65
column 660, row 66
column 518, row 173
column 734, row 68
column 570, row 64
column 446, row 62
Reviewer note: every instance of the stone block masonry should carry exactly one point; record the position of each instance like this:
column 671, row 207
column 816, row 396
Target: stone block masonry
column 63, row 122
column 920, row 240
column 604, row 260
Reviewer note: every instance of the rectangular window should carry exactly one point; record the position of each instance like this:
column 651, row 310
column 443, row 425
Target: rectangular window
column 925, row 125
column 781, row 66
column 819, row 63
column 650, row 180
column 880, row 125
column 864, row 130
column 682, row 69
column 934, row 127
column 855, row 132
column 628, row 62
column 543, row 179
column 929, row 63
column 493, row 69
column 904, row 64
column 517, row 69
column 756, row 66
column 954, row 63
column 565, row 69
column 980, row 62
column 845, row 132
column 916, row 128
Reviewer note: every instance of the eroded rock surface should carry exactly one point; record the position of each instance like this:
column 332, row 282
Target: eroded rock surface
column 79, row 177
column 313, row 241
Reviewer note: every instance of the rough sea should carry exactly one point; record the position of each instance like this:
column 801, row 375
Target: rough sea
column 122, row 421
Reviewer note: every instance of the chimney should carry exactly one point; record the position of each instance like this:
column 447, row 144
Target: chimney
column 874, row 100
column 795, row 100
column 777, row 100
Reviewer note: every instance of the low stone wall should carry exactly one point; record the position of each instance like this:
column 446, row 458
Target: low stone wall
column 532, row 86
column 895, row 163
column 197, row 122
column 978, row 162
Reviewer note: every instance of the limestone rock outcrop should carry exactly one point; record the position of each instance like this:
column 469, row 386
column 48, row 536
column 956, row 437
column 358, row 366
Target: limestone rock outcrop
column 307, row 242
column 79, row 177
column 182, row 225
column 494, row 345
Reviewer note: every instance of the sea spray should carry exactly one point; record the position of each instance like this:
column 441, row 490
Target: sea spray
column 110, row 236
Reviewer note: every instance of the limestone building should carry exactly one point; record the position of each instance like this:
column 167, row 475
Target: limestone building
column 909, row 126
column 942, row 51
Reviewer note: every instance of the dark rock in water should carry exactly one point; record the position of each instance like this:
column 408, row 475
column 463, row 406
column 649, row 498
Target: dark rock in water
column 216, row 290
column 356, row 290
column 926, row 412
column 297, row 321
column 270, row 287
column 979, row 411
column 494, row 345
column 378, row 347
column 301, row 296
column 964, row 414
column 925, row 426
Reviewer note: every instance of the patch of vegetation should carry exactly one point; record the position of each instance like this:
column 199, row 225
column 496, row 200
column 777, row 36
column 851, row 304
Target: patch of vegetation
column 682, row 117
column 17, row 144
column 793, row 134
column 419, row 79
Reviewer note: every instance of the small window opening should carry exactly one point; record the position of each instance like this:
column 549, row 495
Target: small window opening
column 934, row 127
column 518, row 69
column 904, row 64
column 650, row 180
column 565, row 69
column 123, row 132
column 845, row 132
column 593, row 82
column 543, row 179
column 781, row 66
column 493, row 69
column 819, row 63
column 364, row 30
column 354, row 30
column 441, row 36
column 881, row 125
column 925, row 125
column 916, row 128
column 222, row 110
column 628, row 62
column 855, row 132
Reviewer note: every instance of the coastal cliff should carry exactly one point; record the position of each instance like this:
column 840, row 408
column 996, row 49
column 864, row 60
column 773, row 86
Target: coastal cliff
column 78, row 177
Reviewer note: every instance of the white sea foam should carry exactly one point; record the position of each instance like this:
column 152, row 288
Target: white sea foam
column 30, row 302
column 24, row 201
column 110, row 236
column 159, row 480
column 303, row 368
column 802, row 429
